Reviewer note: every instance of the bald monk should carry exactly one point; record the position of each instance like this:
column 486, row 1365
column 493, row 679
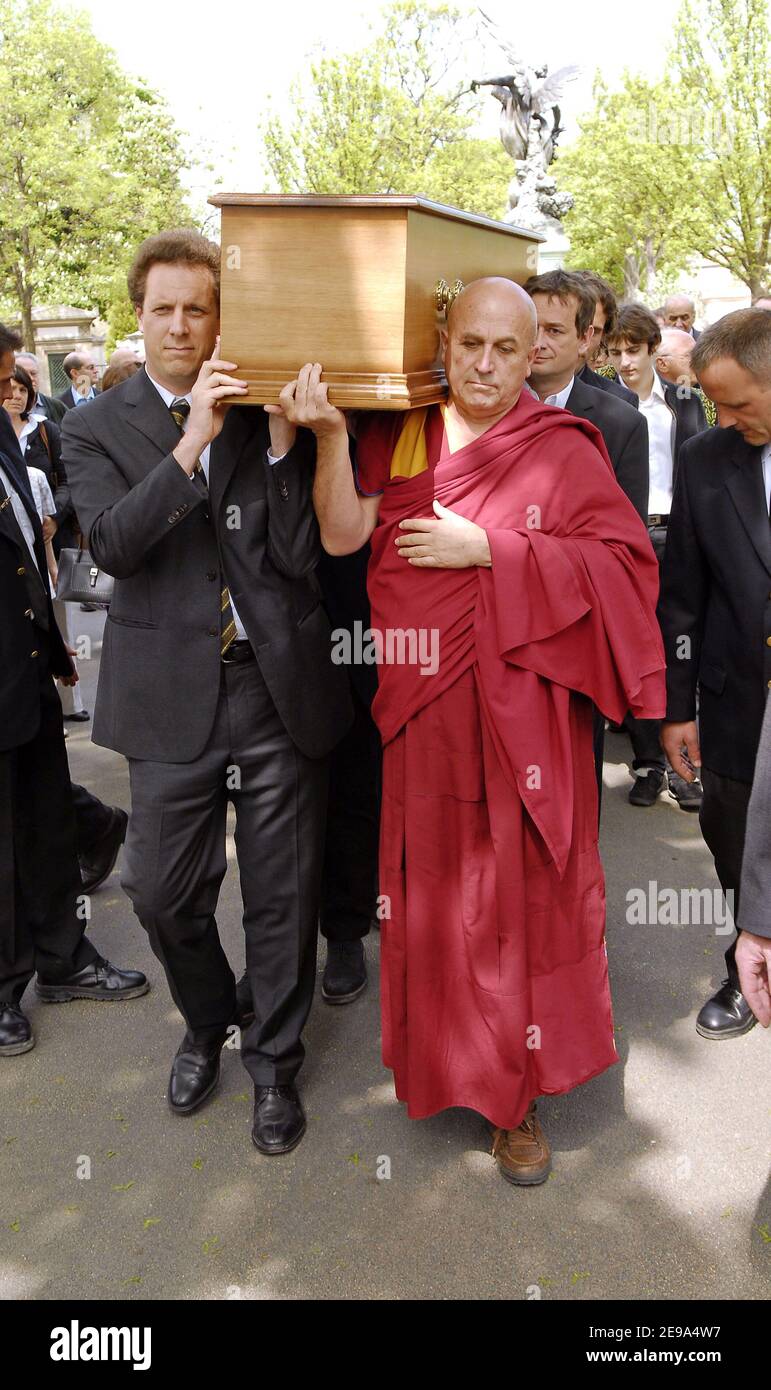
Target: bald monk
column 497, row 521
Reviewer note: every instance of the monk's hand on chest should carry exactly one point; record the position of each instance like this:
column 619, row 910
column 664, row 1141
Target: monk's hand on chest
column 448, row 541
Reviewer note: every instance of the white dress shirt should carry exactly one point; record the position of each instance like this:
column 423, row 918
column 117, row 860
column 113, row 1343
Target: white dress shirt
column 167, row 397
column 661, row 440
column 559, row 398
column 21, row 514
column 766, row 461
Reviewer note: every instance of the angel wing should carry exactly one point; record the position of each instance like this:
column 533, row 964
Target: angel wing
column 550, row 89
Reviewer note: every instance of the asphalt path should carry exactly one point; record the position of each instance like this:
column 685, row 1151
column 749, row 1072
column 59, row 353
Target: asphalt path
column 660, row 1184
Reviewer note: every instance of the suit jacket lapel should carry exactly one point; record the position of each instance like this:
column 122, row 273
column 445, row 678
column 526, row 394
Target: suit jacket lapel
column 144, row 409
column 745, row 485
column 225, row 452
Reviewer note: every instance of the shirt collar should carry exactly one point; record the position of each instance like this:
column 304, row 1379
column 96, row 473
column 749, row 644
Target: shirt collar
column 76, row 396
column 560, row 398
column 168, row 396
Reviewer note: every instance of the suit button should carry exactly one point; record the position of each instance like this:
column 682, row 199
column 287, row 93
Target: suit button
column 171, row 519
column 28, row 613
column 211, row 574
column 768, row 641
column 21, row 570
column 34, row 653
column 284, row 490
column 214, row 632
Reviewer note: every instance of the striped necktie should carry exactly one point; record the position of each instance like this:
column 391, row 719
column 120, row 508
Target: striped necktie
column 179, row 410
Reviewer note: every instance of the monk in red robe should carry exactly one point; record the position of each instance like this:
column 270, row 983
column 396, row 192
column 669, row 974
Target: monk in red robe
column 496, row 524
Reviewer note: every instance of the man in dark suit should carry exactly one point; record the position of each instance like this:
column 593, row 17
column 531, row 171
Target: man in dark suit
column 673, row 414
column 83, row 373
column 753, row 949
column 48, row 406
column 715, row 609
column 41, row 926
column 216, row 679
column 603, row 322
column 565, row 306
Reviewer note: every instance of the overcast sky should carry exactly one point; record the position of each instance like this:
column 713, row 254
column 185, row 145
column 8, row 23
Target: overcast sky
column 222, row 67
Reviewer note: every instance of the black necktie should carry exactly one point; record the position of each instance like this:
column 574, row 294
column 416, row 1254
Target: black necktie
column 180, row 409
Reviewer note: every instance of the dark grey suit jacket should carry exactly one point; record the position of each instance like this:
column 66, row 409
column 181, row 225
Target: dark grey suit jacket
column 755, row 895
column 152, row 528
column 625, row 432
column 716, row 592
column 611, row 385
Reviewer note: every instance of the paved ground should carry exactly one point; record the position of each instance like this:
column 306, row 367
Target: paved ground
column 660, row 1185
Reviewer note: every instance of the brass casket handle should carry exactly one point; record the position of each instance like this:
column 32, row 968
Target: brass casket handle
column 444, row 294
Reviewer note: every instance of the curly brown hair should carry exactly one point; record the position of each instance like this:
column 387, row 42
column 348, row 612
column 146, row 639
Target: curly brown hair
column 169, row 248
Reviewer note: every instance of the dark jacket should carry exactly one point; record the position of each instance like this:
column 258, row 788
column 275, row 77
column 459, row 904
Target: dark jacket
column 685, row 404
column 625, row 432
column 49, row 461
column 152, row 528
column 65, row 399
column 611, row 385
column 20, row 636
column 51, row 407
column 715, row 604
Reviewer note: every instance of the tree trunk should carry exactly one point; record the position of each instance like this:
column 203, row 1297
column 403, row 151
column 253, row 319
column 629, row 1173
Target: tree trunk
column 631, row 276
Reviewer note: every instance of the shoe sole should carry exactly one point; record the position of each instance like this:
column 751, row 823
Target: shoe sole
column 49, row 994
column 684, row 805
column 525, row 1182
column 723, row 1036
column 342, row 998
column 16, row 1049
column 285, row 1148
column 188, row 1109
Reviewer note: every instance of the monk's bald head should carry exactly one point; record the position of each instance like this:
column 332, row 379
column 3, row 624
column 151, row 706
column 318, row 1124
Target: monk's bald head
column 673, row 355
column 488, row 345
column 495, row 293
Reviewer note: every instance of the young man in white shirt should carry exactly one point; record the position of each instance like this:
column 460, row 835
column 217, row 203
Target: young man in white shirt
column 673, row 414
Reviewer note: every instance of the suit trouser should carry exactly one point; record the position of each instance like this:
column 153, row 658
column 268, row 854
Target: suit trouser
column 644, row 733
column 175, row 861
column 40, row 928
column 92, row 818
column 350, row 880
column 723, row 820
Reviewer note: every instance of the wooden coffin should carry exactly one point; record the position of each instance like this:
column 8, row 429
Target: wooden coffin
column 359, row 284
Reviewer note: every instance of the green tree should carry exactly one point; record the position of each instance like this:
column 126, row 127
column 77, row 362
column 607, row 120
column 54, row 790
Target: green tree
column 89, row 161
column 631, row 173
column 393, row 118
column 723, row 61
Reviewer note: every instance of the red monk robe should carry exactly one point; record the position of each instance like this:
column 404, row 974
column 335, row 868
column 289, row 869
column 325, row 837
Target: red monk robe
column 494, row 969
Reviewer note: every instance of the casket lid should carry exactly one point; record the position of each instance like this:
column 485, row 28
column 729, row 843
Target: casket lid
column 369, row 200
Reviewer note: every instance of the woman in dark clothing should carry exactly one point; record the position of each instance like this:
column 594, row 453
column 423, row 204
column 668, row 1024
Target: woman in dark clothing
column 40, row 442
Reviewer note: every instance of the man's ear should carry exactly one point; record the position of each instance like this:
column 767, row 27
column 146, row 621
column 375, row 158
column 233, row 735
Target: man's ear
column 443, row 340
column 585, row 343
column 140, row 315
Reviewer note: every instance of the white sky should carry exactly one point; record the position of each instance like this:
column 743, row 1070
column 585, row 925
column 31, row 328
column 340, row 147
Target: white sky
column 223, row 67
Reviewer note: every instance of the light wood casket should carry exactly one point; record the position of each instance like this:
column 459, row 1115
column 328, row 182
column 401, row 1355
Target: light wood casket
column 355, row 283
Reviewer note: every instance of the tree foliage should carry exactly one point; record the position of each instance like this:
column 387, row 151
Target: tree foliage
column 393, row 118
column 89, row 161
column 662, row 171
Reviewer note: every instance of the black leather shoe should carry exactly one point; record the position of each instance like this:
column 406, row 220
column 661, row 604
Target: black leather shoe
column 244, row 1014
column 99, row 860
column 279, row 1119
column 345, row 974
column 99, row 980
column 647, row 786
column 15, row 1032
column 687, row 794
column 79, row 717
column 195, row 1072
column 726, row 1015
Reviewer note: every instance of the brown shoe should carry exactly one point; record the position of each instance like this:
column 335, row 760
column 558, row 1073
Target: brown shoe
column 523, row 1155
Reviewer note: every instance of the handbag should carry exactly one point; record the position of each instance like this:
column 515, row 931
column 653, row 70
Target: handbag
column 80, row 580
